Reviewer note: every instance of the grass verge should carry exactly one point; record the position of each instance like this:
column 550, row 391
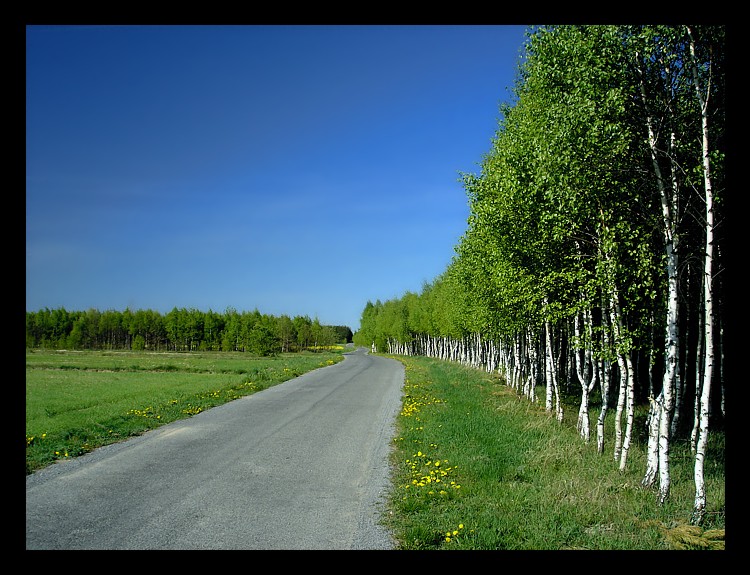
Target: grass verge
column 478, row 467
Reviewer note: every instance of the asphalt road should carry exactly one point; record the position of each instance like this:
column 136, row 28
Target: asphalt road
column 302, row 465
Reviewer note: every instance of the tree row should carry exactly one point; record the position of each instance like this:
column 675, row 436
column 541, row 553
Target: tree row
column 179, row 330
column 592, row 259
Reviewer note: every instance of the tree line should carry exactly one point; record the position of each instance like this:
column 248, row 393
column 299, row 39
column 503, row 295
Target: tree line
column 179, row 330
column 592, row 260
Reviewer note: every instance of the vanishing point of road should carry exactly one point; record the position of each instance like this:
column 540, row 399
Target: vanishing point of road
column 301, row 465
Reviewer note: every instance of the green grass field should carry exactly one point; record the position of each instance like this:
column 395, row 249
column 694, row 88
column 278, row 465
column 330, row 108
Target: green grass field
column 77, row 401
column 475, row 467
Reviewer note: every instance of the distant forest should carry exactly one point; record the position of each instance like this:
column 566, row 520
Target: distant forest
column 179, row 330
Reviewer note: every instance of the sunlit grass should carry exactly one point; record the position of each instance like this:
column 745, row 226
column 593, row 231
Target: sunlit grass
column 77, row 401
column 477, row 467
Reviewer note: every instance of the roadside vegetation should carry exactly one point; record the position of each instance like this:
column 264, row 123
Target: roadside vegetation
column 594, row 260
column 476, row 466
column 77, row 401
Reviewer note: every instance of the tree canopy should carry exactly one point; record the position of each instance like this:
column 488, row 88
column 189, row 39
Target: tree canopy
column 593, row 248
column 180, row 329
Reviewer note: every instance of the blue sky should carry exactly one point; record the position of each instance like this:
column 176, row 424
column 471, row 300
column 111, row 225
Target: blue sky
column 299, row 170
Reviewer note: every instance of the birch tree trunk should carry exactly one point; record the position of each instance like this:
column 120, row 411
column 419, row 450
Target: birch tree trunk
column 530, row 379
column 622, row 382
column 699, row 506
column 604, row 386
column 625, row 396
column 619, row 409
column 552, row 389
column 514, row 361
column 584, row 366
column 699, row 358
column 652, row 448
column 669, row 209
column 630, row 410
column 549, row 369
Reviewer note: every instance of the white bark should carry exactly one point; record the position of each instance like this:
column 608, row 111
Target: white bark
column 521, row 359
column 552, row 389
column 699, row 506
column 584, row 366
column 675, row 377
column 698, row 386
column 652, row 449
column 552, row 378
column 604, row 386
column 549, row 369
column 618, row 412
column 625, row 396
column 668, row 205
column 621, row 390
column 530, row 392
column 671, row 360
column 630, row 410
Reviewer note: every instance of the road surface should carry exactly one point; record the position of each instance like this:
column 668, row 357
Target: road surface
column 301, row 465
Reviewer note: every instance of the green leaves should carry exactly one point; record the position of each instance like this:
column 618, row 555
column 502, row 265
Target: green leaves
column 565, row 205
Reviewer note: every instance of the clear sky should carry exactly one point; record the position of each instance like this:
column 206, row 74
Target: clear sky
column 298, row 170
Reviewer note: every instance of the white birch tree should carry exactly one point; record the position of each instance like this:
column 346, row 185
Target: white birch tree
column 580, row 208
column 661, row 407
column 585, row 368
column 702, row 85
